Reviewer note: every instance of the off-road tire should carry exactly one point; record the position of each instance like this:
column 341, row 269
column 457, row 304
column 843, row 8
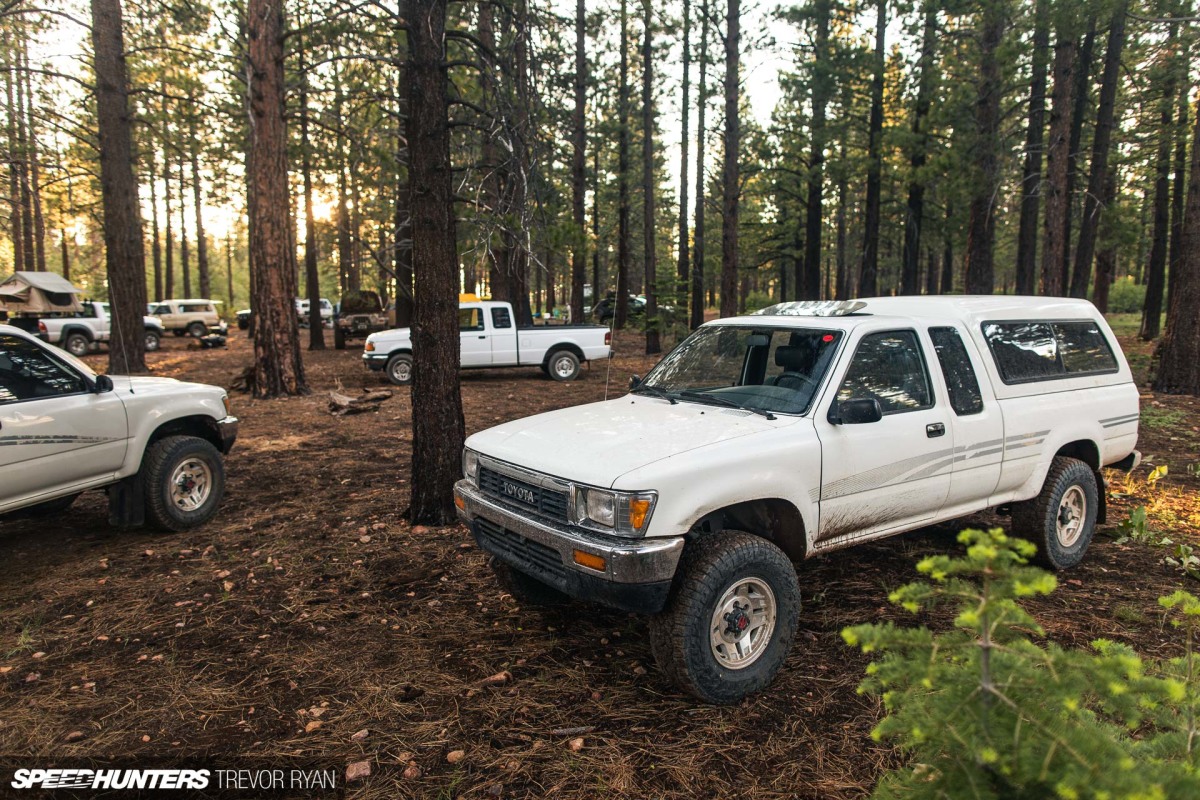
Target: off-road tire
column 680, row 637
column 158, row 465
column 394, row 371
column 197, row 330
column 76, row 344
column 1038, row 519
column 339, row 338
column 153, row 340
column 526, row 590
column 563, row 365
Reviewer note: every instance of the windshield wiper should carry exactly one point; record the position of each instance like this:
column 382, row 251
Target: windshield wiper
column 657, row 392
column 722, row 401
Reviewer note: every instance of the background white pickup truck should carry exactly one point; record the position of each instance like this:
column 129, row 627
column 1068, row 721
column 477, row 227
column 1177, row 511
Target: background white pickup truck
column 490, row 338
column 77, row 333
column 155, row 444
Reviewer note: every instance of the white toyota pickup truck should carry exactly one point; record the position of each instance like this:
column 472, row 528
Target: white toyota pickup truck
column 155, row 444
column 765, row 439
column 490, row 338
column 78, row 333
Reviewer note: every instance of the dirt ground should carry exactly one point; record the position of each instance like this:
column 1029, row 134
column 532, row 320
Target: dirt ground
column 310, row 611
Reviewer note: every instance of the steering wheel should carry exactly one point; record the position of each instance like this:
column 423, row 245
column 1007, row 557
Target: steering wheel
column 794, row 376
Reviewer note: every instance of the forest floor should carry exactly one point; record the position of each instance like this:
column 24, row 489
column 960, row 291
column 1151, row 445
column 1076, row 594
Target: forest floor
column 310, row 611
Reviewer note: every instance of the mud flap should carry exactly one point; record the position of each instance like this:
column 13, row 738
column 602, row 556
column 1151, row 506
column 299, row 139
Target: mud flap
column 127, row 503
column 1102, row 496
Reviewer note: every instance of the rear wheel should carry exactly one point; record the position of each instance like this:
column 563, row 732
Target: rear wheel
column 197, row 330
column 185, row 481
column 399, row 369
column 76, row 344
column 563, row 365
column 731, row 618
column 1062, row 519
column 152, row 341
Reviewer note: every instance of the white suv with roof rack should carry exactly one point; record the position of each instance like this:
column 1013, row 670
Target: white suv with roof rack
column 808, row 427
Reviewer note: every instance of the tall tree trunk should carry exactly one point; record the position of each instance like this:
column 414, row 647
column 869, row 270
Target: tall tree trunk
column 198, row 203
column 229, row 270
column 1089, row 225
column 278, row 369
column 1178, row 370
column 1106, row 259
column 169, row 237
column 155, row 243
column 64, row 244
column 813, row 223
column 184, row 260
column 697, row 318
column 402, row 220
column 981, row 222
column 730, row 175
column 649, row 238
column 683, row 267
column 519, row 242
column 344, row 245
column 28, row 254
column 867, row 278
column 438, row 427
column 35, row 167
column 596, row 288
column 1156, row 267
column 14, row 170
column 1031, row 179
column 947, row 255
column 620, row 301
column 312, row 278
column 1178, row 192
column 843, row 290
column 1083, row 74
column 578, row 185
column 124, row 252
column 1058, row 203
column 910, row 270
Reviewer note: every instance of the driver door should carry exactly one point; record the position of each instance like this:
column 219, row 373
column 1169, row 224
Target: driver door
column 55, row 433
column 475, row 347
column 891, row 474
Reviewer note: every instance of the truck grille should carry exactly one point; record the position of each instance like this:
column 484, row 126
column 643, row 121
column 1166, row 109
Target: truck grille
column 544, row 502
column 517, row 549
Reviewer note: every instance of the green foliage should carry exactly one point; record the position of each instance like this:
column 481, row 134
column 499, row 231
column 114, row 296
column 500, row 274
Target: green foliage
column 984, row 710
column 1125, row 296
column 1133, row 528
column 1183, row 558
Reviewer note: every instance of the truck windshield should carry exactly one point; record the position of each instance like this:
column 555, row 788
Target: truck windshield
column 761, row 369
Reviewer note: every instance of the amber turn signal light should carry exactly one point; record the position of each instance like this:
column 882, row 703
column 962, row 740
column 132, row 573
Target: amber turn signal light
column 460, row 503
column 589, row 560
column 638, row 509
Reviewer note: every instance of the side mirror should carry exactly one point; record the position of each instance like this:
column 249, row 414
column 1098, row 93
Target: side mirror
column 634, row 382
column 103, row 384
column 858, row 411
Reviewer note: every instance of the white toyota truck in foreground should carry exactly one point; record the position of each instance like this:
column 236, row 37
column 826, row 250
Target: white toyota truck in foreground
column 762, row 440
column 155, row 444
column 489, row 337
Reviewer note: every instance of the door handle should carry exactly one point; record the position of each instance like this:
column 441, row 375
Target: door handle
column 935, row 430
column 482, row 337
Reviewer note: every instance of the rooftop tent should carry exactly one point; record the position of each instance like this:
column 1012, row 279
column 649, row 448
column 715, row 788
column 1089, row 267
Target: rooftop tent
column 39, row 293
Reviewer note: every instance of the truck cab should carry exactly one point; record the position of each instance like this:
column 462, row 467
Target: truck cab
column 763, row 440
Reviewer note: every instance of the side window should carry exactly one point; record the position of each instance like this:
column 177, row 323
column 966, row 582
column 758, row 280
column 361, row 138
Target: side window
column 1035, row 351
column 1084, row 348
column 960, row 377
column 470, row 319
column 889, row 368
column 501, row 318
column 28, row 373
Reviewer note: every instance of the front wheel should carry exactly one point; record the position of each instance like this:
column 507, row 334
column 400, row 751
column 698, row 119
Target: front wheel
column 76, row 344
column 399, row 369
column 731, row 618
column 563, row 365
column 185, row 481
column 1062, row 519
column 152, row 341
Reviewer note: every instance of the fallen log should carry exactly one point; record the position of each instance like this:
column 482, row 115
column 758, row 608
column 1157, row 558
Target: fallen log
column 342, row 404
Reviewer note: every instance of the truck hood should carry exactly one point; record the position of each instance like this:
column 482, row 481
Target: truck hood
column 143, row 386
column 598, row 443
column 390, row 338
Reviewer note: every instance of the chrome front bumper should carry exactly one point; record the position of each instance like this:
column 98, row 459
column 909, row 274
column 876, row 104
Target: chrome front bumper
column 631, row 565
column 227, row 429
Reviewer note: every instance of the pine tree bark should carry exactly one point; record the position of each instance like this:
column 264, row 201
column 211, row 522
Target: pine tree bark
column 185, row 263
column 1089, row 225
column 1106, row 259
column 810, row 289
column 1031, row 179
column 1156, row 267
column 1178, row 354
column 35, row 166
column 198, row 207
column 1083, row 73
column 1058, row 203
column 578, row 146
column 344, row 245
column 278, row 369
column 844, row 288
column 697, row 304
column 124, row 252
column 14, row 174
column 649, row 232
column 981, row 221
column 730, row 174
column 911, row 265
column 621, row 309
column 1178, row 192
column 438, row 427
column 169, row 236
column 402, row 219
column 312, row 277
column 868, row 275
column 155, row 242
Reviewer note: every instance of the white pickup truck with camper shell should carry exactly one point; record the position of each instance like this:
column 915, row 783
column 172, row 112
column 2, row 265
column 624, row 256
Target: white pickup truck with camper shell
column 79, row 333
column 490, row 337
column 154, row 444
column 762, row 440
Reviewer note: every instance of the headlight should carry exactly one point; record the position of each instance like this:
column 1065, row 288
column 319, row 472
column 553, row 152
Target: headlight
column 624, row 513
column 471, row 465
